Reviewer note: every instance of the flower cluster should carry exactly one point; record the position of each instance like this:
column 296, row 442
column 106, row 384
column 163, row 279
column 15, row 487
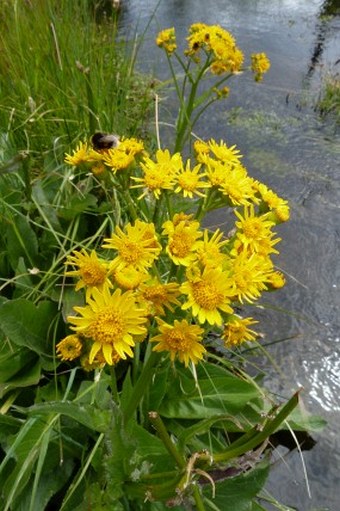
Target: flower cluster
column 161, row 277
column 98, row 161
column 218, row 46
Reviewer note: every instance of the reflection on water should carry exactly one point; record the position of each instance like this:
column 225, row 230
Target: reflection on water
column 286, row 146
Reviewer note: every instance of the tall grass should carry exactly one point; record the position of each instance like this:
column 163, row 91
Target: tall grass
column 63, row 75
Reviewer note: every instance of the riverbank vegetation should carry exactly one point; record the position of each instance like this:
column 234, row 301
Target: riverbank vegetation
column 126, row 377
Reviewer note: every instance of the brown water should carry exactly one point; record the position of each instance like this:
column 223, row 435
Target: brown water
column 286, row 145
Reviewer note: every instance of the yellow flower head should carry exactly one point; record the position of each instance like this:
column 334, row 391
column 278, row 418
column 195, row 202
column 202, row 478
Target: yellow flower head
column 225, row 154
column 129, row 277
column 201, row 149
column 131, row 146
column 111, row 322
column 249, row 276
column 182, row 243
column 167, row 39
column 278, row 206
column 91, row 271
column 259, row 65
column 160, row 295
column 82, row 154
column 253, row 229
column 137, row 246
column 237, row 186
column 98, row 362
column 70, row 347
column 189, row 181
column 209, row 250
column 275, row 280
column 118, row 159
column 236, row 331
column 170, row 225
column 182, row 340
column 208, row 294
column 158, row 175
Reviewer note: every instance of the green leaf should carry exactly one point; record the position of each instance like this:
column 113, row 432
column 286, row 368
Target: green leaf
column 238, row 492
column 217, row 392
column 300, row 420
column 13, row 359
column 28, row 325
column 77, row 204
column 21, row 241
column 88, row 415
column 29, row 375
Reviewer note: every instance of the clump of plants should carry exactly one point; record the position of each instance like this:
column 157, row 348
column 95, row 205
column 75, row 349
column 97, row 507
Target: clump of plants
column 124, row 386
column 329, row 102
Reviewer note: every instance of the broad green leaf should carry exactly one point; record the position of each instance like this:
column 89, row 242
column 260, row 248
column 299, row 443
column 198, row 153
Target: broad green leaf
column 88, row 415
column 21, row 241
column 217, row 391
column 237, row 493
column 77, row 204
column 29, row 325
column 13, row 359
column 300, row 420
column 29, row 375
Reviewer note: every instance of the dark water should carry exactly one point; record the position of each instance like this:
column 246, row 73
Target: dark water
column 286, row 145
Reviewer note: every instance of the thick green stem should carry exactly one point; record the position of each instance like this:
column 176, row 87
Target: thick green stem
column 198, row 499
column 141, row 387
column 158, row 424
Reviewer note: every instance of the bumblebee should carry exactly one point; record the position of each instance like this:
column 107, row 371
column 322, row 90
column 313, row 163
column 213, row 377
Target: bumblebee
column 104, row 141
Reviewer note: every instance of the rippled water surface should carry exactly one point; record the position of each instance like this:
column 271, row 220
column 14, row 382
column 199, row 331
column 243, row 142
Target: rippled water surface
column 286, row 145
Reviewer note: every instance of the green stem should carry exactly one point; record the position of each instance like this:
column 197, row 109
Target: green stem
column 141, row 386
column 158, row 424
column 198, row 499
column 114, row 388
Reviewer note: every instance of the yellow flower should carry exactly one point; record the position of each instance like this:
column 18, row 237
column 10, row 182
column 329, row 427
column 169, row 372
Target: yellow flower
column 238, row 186
column 253, row 229
column 236, row 331
column 182, row 243
column 80, row 155
column 137, row 246
column 278, row 206
column 167, row 39
column 98, row 362
column 70, row 347
column 92, row 271
column 158, row 175
column 224, row 153
column 188, row 181
column 160, row 295
column 181, row 340
column 249, row 276
column 201, row 149
column 129, row 277
column 208, row 294
column 275, row 280
column 111, row 322
column 131, row 146
column 209, row 249
column 259, row 65
column 170, row 225
column 118, row 159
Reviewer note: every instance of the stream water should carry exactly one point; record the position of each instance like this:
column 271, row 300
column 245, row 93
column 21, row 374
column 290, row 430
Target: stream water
column 286, row 145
